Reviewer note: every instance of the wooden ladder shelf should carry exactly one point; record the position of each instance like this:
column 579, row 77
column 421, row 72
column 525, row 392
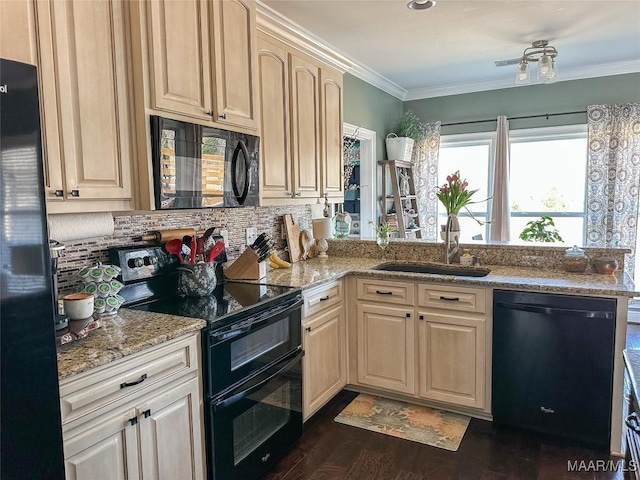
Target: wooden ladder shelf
column 403, row 202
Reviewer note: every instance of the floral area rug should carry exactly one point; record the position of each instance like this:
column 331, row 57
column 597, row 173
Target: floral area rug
column 404, row 420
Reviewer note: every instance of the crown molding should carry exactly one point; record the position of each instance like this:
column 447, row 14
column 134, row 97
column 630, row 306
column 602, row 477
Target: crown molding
column 277, row 25
column 594, row 71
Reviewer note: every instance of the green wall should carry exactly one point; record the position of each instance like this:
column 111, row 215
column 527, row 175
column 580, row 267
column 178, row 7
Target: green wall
column 569, row 96
column 369, row 107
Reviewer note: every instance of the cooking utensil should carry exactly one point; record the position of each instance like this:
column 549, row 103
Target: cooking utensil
column 167, row 235
column 175, row 247
column 208, row 240
column 194, row 250
column 215, row 251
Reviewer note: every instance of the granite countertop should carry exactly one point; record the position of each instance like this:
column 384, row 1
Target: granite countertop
column 313, row 272
column 127, row 333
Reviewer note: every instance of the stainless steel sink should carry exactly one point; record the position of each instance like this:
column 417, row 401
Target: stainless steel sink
column 434, row 268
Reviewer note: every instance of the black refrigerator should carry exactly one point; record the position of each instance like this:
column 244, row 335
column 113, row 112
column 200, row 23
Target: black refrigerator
column 30, row 428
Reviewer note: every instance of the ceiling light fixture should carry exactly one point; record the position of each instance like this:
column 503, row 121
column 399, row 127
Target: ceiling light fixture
column 540, row 51
column 420, row 4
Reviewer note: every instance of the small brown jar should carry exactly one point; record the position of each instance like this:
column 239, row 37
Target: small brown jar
column 605, row 265
column 575, row 260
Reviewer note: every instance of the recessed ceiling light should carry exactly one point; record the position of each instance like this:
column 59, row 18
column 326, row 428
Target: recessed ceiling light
column 420, row 4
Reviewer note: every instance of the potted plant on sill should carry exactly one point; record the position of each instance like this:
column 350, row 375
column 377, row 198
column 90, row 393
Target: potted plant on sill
column 455, row 196
column 406, row 131
column 542, row 230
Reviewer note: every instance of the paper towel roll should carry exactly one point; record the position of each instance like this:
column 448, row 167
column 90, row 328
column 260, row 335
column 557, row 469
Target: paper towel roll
column 80, row 226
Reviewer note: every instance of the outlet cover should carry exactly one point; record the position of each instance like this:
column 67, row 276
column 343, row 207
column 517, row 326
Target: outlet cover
column 252, row 234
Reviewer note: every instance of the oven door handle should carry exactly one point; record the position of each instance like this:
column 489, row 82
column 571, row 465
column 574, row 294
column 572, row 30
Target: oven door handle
column 231, row 399
column 256, row 321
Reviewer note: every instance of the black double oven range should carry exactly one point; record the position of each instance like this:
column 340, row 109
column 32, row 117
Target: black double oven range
column 252, row 352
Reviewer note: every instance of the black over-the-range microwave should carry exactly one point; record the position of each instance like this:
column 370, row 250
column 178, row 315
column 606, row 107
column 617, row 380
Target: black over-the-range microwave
column 195, row 166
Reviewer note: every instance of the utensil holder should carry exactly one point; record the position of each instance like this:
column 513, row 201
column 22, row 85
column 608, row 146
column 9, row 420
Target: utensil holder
column 197, row 280
column 246, row 267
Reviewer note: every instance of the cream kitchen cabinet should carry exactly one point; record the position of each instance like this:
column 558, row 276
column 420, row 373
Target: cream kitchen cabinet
column 386, row 347
column 18, row 31
column 324, row 342
column 138, row 417
column 422, row 340
column 301, row 125
column 201, row 59
column 86, row 100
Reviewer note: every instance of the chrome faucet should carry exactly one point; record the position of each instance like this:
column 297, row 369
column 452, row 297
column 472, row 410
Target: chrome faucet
column 449, row 252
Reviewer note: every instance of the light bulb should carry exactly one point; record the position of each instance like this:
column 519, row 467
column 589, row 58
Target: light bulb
column 544, row 67
column 522, row 75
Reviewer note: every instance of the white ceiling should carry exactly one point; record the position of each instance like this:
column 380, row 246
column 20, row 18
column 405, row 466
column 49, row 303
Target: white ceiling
column 451, row 48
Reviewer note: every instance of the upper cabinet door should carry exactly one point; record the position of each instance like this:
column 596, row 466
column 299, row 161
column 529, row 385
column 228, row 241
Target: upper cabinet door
column 275, row 170
column 235, row 62
column 305, row 121
column 179, row 57
column 331, row 114
column 90, row 44
column 18, row 31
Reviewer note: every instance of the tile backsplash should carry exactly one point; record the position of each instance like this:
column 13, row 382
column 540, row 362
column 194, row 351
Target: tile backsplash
column 128, row 229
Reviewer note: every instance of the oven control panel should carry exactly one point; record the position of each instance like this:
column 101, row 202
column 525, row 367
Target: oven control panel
column 141, row 263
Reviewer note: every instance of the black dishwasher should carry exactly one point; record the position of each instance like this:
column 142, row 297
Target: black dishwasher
column 553, row 363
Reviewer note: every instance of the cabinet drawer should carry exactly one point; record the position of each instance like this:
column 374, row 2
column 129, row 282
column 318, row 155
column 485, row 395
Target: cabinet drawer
column 385, row 291
column 320, row 299
column 108, row 384
column 462, row 299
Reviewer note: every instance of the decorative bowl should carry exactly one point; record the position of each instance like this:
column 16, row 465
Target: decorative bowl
column 605, row 265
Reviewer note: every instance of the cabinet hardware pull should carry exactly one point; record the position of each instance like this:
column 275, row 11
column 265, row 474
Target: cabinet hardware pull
column 137, row 382
column 408, row 315
column 58, row 193
column 209, row 112
column 632, row 422
column 223, row 116
column 308, row 329
column 324, row 299
column 266, row 457
column 421, row 317
column 133, row 420
column 298, row 194
column 450, row 299
column 75, row 193
column 147, row 413
column 383, row 293
column 547, row 410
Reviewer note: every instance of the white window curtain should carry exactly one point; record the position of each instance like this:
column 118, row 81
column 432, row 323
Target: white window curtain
column 613, row 176
column 500, row 208
column 425, row 161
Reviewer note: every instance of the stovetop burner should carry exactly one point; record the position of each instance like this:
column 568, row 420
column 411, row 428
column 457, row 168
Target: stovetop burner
column 227, row 298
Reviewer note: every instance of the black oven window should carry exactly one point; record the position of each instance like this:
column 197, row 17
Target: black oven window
column 257, row 344
column 257, row 424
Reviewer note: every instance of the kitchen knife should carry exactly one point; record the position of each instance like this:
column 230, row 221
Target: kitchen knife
column 215, row 250
column 259, row 239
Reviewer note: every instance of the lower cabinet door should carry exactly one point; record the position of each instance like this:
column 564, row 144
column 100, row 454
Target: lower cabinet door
column 324, row 364
column 386, row 353
column 452, row 358
column 107, row 450
column 171, row 435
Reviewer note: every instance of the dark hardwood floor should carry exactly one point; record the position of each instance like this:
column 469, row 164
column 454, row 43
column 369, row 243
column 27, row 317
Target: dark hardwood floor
column 332, row 451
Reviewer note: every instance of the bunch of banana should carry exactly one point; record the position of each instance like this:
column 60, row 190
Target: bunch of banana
column 276, row 262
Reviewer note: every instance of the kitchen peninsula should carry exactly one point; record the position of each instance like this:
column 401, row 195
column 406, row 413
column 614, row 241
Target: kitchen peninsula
column 355, row 315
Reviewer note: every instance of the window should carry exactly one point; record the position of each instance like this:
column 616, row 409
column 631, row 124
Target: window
column 548, row 177
column 472, row 154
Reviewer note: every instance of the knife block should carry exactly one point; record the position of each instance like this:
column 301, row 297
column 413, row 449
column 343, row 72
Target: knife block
column 246, row 267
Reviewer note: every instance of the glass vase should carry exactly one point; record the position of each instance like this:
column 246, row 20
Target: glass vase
column 341, row 223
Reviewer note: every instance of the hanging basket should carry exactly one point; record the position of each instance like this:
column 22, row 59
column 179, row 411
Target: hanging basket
column 399, row 148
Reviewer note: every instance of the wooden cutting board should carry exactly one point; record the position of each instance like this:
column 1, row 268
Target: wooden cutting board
column 292, row 232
